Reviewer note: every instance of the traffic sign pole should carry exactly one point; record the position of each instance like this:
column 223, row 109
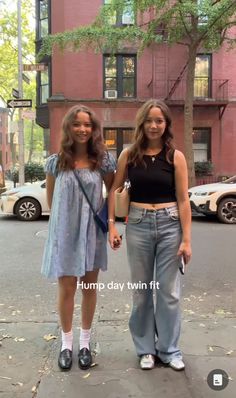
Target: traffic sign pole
column 20, row 89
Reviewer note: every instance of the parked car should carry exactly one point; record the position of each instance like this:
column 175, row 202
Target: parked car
column 217, row 198
column 27, row 202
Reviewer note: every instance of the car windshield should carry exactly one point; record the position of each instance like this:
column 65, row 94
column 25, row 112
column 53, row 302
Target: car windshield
column 231, row 180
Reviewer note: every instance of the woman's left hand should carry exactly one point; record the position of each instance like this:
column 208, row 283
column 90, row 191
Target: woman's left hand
column 185, row 251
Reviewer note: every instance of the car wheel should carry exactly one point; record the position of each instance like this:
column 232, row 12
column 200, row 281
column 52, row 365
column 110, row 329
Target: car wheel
column 226, row 211
column 28, row 209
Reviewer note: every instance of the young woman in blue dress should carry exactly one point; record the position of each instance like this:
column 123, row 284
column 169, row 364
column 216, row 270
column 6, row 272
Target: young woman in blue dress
column 76, row 247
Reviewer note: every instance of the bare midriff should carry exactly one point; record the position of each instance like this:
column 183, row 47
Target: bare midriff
column 153, row 206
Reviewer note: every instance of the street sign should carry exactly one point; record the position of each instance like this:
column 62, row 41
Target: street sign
column 34, row 67
column 28, row 114
column 15, row 93
column 21, row 103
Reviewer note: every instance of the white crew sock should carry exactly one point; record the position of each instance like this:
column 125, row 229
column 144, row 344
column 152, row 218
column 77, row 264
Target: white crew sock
column 84, row 340
column 67, row 340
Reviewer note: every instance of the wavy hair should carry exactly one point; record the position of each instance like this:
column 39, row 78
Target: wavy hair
column 95, row 148
column 136, row 151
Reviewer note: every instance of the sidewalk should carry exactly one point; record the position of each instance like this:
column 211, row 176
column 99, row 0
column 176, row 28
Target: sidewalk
column 207, row 342
column 29, row 362
column 118, row 375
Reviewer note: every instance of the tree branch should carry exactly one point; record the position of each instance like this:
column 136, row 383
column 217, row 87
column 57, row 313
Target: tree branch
column 216, row 19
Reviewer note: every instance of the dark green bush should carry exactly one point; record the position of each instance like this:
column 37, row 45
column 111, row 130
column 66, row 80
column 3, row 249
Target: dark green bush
column 33, row 172
column 203, row 168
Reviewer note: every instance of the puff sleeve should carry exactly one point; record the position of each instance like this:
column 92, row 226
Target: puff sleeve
column 51, row 165
column 108, row 163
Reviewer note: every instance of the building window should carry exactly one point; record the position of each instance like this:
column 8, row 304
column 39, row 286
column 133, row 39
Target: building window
column 202, row 17
column 202, row 80
column 120, row 75
column 117, row 139
column 202, row 144
column 43, row 86
column 43, row 28
column 124, row 17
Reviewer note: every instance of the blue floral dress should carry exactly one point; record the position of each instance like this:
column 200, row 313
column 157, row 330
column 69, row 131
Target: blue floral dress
column 75, row 244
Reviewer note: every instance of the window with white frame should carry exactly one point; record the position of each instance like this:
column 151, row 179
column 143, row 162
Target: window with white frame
column 43, row 86
column 124, row 16
column 202, row 144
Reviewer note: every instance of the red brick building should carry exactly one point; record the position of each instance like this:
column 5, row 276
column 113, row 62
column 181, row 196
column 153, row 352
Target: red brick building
column 116, row 86
column 5, row 150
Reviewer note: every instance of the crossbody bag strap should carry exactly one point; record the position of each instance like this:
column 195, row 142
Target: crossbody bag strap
column 84, row 192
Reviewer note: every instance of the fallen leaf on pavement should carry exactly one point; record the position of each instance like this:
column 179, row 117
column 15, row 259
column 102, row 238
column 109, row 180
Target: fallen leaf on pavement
column 86, row 376
column 229, row 352
column 19, row 339
column 210, row 348
column 49, row 337
column 33, row 389
column 5, row 378
column 220, row 311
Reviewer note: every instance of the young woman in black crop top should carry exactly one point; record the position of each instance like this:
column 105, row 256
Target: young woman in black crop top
column 157, row 234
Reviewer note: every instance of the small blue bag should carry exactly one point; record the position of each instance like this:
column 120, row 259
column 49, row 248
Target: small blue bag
column 101, row 217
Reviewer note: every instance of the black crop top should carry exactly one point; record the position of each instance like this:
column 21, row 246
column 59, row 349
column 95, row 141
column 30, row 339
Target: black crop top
column 154, row 183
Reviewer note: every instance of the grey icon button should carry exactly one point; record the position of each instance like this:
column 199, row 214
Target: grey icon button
column 217, row 379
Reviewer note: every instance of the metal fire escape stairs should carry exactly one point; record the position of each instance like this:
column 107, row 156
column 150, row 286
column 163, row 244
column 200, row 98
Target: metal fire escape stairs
column 176, row 83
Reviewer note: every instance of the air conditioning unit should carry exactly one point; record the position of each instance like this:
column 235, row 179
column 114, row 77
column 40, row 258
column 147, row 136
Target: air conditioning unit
column 110, row 94
column 127, row 19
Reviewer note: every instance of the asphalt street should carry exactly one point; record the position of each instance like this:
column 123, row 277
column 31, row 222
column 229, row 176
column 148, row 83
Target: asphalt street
column 30, row 334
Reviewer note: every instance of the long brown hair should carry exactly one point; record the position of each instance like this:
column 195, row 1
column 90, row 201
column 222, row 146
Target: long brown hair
column 95, row 146
column 136, row 151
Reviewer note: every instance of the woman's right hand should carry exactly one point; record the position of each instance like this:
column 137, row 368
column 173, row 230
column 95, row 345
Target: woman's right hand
column 114, row 238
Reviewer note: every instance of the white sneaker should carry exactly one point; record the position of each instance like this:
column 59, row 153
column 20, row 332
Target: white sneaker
column 177, row 364
column 147, row 361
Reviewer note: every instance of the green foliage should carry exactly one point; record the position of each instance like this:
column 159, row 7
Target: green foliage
column 33, row 172
column 9, row 63
column 200, row 22
column 203, row 168
column 8, row 47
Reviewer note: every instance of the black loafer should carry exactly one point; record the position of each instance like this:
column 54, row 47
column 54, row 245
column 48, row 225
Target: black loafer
column 65, row 359
column 84, row 359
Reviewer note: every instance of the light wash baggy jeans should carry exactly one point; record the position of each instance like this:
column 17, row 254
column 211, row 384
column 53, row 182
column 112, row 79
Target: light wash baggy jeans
column 153, row 238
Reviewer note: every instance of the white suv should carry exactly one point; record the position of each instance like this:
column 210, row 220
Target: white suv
column 218, row 198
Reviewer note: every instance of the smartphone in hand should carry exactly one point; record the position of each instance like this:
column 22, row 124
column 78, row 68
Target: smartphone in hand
column 182, row 265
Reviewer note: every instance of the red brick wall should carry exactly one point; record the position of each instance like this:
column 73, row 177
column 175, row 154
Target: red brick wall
column 79, row 77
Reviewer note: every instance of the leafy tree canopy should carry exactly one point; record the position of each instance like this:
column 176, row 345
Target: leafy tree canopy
column 202, row 22
column 9, row 61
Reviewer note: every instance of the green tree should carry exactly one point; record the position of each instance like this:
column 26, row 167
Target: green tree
column 9, row 66
column 196, row 24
